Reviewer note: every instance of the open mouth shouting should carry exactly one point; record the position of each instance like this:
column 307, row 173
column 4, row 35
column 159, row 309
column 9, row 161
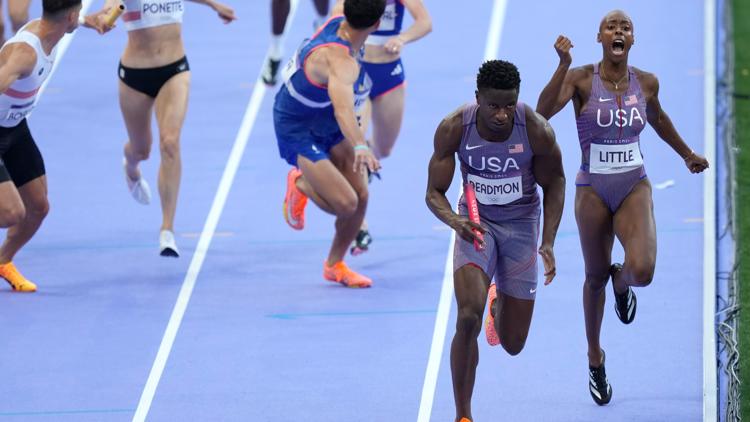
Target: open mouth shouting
column 618, row 47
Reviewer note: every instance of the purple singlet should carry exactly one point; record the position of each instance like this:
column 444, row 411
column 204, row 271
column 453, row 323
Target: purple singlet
column 608, row 129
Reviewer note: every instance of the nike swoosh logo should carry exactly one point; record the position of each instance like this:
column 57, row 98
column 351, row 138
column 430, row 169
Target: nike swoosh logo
column 602, row 100
column 469, row 147
column 532, row 291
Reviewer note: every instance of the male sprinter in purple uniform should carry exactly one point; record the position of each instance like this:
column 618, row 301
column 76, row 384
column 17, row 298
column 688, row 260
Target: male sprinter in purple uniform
column 612, row 103
column 318, row 133
column 505, row 150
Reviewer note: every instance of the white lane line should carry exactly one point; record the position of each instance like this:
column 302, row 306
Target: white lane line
column 446, row 293
column 710, row 383
column 209, row 228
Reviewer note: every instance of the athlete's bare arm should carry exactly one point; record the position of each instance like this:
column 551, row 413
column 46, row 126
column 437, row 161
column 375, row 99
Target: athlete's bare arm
column 225, row 12
column 564, row 84
column 662, row 124
column 549, row 174
column 343, row 71
column 422, row 26
column 17, row 61
column 440, row 174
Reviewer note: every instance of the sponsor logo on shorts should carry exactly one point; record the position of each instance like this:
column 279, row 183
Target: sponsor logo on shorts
column 532, row 291
column 397, row 70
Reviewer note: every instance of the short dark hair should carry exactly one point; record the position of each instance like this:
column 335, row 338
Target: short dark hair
column 53, row 8
column 362, row 14
column 498, row 74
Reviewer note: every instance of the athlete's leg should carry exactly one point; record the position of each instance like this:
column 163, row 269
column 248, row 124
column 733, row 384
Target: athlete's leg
column 171, row 106
column 136, row 108
column 34, row 197
column 635, row 227
column 12, row 210
column 512, row 322
column 313, row 183
column 387, row 115
column 321, row 6
column 342, row 156
column 336, row 188
column 470, row 284
column 279, row 14
column 596, row 235
column 19, row 13
column 2, row 24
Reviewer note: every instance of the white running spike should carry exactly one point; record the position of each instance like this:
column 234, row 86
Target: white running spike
column 138, row 188
column 167, row 244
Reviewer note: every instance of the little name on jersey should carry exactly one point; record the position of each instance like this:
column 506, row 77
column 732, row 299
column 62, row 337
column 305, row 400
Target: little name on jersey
column 611, row 159
column 163, row 7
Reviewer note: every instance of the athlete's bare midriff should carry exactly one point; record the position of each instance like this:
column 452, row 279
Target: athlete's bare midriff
column 154, row 47
column 377, row 54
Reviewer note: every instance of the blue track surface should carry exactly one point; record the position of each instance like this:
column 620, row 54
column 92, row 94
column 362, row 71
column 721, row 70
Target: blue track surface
column 264, row 337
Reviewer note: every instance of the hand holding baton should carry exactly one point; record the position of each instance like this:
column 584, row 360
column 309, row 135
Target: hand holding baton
column 471, row 204
column 113, row 14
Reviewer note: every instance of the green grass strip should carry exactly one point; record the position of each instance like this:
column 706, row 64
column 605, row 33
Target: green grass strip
column 742, row 112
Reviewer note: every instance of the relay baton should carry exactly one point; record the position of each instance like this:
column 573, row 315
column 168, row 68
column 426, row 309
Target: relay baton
column 471, row 204
column 113, row 14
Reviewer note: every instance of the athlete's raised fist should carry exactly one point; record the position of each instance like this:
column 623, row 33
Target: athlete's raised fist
column 563, row 46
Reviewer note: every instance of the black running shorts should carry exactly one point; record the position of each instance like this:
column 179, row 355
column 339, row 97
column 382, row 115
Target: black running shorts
column 20, row 159
column 149, row 81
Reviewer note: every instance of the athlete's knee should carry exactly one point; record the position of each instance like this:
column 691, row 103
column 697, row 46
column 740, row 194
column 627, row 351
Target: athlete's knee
column 38, row 208
column 513, row 344
column 139, row 151
column 642, row 273
column 12, row 214
column 169, row 145
column 345, row 205
column 363, row 195
column 596, row 281
column 469, row 320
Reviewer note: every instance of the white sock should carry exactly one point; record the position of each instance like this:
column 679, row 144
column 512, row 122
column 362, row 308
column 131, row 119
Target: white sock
column 276, row 49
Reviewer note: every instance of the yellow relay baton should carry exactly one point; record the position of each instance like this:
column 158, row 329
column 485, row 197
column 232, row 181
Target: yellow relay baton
column 113, row 14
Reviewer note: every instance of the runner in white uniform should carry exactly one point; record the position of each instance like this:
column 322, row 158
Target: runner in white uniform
column 155, row 77
column 25, row 63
